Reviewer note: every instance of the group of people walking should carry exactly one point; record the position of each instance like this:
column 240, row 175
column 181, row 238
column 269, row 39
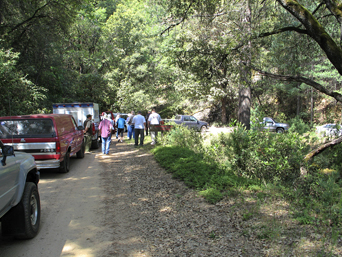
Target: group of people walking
column 137, row 126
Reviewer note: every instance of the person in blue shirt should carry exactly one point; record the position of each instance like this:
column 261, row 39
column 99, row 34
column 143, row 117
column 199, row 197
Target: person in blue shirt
column 121, row 127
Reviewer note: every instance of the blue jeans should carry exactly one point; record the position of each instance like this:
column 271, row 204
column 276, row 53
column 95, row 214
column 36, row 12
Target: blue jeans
column 106, row 144
column 130, row 132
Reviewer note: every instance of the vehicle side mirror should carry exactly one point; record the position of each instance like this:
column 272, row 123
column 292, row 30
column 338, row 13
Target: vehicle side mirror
column 7, row 150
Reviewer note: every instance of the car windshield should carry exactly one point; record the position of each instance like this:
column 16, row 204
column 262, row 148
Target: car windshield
column 27, row 128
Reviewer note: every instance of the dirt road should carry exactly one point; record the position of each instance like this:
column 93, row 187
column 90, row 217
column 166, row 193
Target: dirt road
column 124, row 204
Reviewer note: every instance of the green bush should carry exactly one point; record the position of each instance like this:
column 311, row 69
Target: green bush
column 299, row 126
column 265, row 156
column 186, row 165
column 182, row 136
column 197, row 172
column 211, row 195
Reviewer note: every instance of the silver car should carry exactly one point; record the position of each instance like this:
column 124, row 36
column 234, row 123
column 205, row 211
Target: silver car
column 329, row 130
column 271, row 125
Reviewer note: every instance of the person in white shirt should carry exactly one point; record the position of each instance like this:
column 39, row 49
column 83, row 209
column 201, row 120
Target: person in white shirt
column 139, row 123
column 154, row 119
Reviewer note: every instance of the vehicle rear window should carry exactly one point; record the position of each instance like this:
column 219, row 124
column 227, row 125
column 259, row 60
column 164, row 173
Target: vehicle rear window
column 27, row 128
column 178, row 117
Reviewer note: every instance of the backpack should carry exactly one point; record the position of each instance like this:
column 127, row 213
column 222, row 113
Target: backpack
column 130, row 119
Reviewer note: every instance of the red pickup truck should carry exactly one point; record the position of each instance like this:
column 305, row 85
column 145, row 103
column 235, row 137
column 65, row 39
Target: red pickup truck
column 51, row 138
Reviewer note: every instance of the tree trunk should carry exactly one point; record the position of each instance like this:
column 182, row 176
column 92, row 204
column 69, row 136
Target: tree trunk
column 245, row 107
column 312, row 108
column 224, row 110
column 321, row 148
column 298, row 104
column 244, row 115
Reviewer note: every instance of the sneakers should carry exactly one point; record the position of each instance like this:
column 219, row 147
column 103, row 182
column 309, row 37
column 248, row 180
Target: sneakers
column 121, row 140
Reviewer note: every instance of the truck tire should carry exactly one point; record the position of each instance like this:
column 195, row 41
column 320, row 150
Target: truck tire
column 23, row 220
column 80, row 153
column 30, row 202
column 203, row 129
column 65, row 164
column 280, row 130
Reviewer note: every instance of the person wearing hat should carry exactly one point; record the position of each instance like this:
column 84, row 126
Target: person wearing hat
column 139, row 123
column 106, row 128
column 88, row 133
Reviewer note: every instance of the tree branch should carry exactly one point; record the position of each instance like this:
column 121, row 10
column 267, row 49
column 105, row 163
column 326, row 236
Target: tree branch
column 278, row 31
column 181, row 21
column 31, row 18
column 319, row 6
column 321, row 148
column 301, row 79
column 315, row 31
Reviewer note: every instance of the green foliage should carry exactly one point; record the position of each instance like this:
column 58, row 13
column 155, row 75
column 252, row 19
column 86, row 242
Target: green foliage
column 299, row 126
column 18, row 94
column 330, row 159
column 183, row 137
column 185, row 165
column 268, row 157
column 212, row 195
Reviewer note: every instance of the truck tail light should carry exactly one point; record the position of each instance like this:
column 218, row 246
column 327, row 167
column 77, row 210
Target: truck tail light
column 93, row 129
column 58, row 148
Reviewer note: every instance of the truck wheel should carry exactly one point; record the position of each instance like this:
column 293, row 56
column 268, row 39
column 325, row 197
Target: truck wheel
column 30, row 203
column 203, row 129
column 95, row 144
column 65, row 164
column 80, row 153
column 280, row 130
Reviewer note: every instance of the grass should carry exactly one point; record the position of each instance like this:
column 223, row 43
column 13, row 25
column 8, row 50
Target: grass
column 302, row 218
column 290, row 213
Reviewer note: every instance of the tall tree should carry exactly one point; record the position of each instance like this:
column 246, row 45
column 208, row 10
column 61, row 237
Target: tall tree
column 36, row 29
column 136, row 67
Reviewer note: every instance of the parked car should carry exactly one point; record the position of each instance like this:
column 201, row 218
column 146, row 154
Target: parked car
column 51, row 138
column 190, row 121
column 269, row 124
column 329, row 130
column 19, row 196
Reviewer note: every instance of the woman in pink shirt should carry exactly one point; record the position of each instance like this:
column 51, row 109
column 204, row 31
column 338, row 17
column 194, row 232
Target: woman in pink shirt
column 106, row 128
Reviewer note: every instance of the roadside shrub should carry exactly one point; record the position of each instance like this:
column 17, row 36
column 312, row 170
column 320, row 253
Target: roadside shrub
column 317, row 198
column 183, row 137
column 211, row 195
column 196, row 172
column 299, row 126
column 265, row 156
column 186, row 165
column 331, row 158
